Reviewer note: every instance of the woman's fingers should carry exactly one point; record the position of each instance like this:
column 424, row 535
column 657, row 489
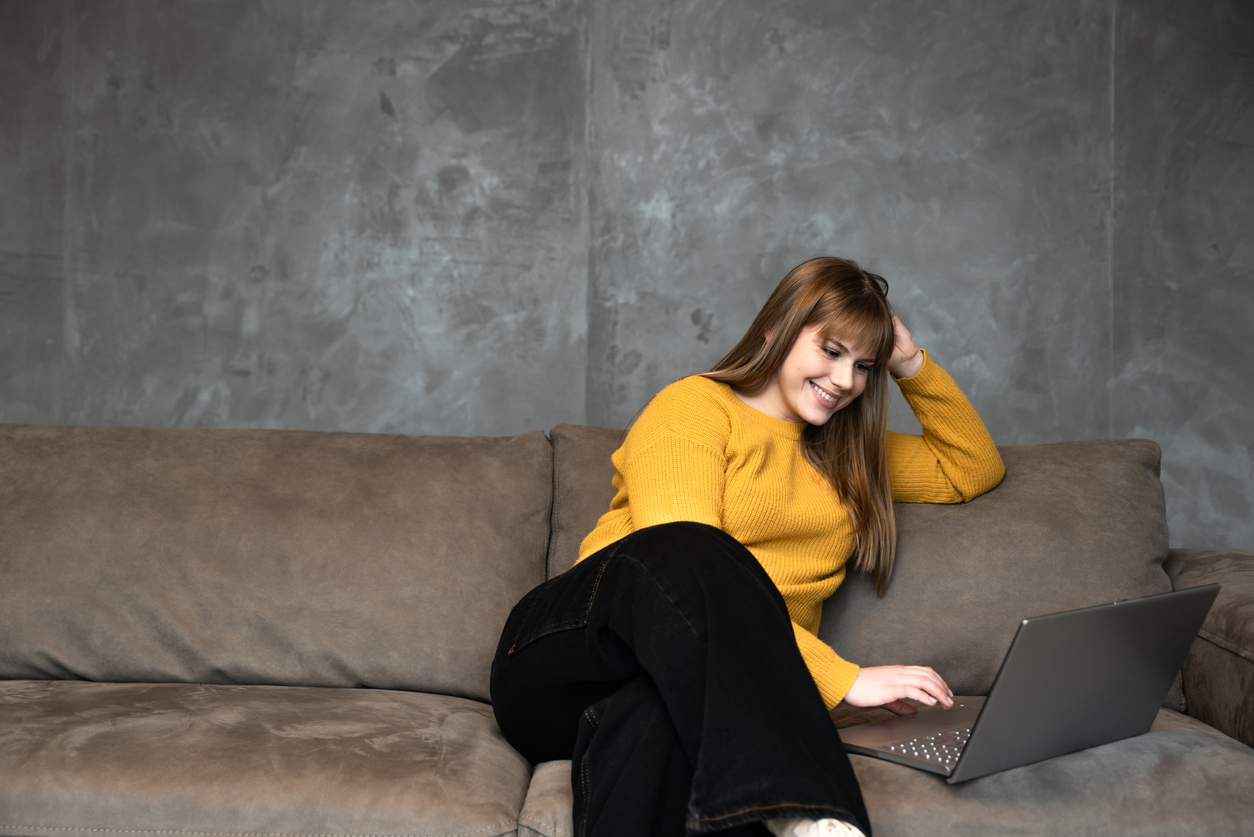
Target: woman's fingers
column 885, row 685
column 935, row 688
column 941, row 688
column 925, row 696
column 906, row 359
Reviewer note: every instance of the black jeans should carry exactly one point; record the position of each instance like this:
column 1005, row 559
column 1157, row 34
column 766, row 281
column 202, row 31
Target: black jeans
column 666, row 668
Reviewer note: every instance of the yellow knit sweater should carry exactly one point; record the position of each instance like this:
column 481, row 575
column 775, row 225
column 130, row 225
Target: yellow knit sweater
column 699, row 453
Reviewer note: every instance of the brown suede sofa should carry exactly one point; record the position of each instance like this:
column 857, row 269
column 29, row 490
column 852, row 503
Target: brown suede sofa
column 225, row 632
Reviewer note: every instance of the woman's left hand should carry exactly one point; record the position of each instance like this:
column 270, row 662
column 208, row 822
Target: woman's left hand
column 907, row 359
column 888, row 686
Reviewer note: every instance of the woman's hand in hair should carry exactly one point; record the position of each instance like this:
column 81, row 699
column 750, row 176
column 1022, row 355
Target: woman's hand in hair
column 886, row 686
column 907, row 360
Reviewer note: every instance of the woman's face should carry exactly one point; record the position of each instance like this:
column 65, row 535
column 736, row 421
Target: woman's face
column 822, row 374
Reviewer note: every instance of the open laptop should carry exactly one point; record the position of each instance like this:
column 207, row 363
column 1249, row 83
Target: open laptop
column 1070, row 681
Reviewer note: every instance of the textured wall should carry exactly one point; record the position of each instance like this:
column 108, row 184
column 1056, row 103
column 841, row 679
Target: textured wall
column 732, row 140
column 315, row 214
column 492, row 216
column 33, row 79
column 1184, row 257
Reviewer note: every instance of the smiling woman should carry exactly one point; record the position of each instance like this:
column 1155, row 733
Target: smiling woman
column 678, row 661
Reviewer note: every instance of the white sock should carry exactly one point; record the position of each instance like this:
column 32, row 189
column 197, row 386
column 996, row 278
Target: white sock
column 811, row 828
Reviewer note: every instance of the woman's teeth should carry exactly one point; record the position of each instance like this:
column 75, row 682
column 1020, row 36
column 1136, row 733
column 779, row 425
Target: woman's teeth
column 826, row 398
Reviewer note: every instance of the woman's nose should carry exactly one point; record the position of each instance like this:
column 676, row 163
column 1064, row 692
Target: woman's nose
column 842, row 375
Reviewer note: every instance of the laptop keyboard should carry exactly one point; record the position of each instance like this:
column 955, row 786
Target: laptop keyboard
column 942, row 748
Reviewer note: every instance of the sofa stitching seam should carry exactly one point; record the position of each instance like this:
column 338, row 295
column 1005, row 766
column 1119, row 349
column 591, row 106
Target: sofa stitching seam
column 1225, row 644
column 530, row 821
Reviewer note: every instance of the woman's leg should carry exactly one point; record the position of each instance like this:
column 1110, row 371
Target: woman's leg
column 667, row 657
column 628, row 767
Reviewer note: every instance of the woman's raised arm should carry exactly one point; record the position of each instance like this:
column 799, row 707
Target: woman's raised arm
column 955, row 459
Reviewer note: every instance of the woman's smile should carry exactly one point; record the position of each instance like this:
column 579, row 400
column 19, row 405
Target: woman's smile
column 827, row 399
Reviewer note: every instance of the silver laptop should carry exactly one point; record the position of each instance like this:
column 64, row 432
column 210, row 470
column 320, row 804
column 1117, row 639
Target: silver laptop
column 1070, row 681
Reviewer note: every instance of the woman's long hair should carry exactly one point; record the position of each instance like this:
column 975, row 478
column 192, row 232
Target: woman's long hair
column 849, row 449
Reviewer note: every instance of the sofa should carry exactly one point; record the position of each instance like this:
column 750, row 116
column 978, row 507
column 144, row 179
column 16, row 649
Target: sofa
column 259, row 632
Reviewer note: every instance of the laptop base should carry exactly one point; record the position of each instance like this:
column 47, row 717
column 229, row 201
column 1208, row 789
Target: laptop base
column 872, row 739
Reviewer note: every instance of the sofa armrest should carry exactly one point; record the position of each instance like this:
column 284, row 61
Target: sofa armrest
column 1219, row 669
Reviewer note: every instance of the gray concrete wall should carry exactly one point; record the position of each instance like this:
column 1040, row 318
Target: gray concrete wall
column 1183, row 254
column 298, row 214
column 492, row 216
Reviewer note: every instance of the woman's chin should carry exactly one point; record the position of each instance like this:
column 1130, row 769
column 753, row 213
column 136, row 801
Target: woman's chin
column 820, row 413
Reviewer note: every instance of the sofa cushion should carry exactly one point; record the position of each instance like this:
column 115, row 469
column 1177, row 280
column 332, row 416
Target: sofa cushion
column 92, row 758
column 547, row 811
column 582, row 487
column 280, row 557
column 1072, row 524
column 1219, row 671
column 1183, row 777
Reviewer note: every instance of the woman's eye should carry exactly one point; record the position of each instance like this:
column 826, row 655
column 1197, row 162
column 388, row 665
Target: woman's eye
column 832, row 353
column 863, row 367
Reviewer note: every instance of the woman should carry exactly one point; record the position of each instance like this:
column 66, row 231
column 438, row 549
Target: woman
column 677, row 662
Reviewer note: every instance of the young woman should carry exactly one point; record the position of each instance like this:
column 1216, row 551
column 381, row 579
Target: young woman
column 677, row 663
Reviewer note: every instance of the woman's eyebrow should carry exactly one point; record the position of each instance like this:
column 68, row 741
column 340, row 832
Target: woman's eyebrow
column 869, row 360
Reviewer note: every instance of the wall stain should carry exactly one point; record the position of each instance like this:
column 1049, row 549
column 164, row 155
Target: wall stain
column 702, row 319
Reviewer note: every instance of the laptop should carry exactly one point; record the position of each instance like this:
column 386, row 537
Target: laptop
column 1069, row 681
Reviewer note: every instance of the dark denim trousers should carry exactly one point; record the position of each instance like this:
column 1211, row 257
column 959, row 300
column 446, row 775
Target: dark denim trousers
column 666, row 668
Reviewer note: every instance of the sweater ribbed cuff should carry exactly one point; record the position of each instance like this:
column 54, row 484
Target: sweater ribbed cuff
column 835, row 680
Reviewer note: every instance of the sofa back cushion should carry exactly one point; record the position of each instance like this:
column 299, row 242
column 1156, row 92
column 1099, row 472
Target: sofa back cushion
column 271, row 557
column 582, row 487
column 1073, row 524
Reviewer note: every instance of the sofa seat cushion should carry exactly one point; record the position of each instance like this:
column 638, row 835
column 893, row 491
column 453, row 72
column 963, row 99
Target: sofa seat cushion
column 547, row 811
column 80, row 758
column 1183, row 777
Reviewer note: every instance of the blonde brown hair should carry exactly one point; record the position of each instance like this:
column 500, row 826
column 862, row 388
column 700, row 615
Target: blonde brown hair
column 849, row 449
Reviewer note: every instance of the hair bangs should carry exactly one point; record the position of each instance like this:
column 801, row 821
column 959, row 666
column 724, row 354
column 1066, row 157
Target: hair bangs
column 866, row 321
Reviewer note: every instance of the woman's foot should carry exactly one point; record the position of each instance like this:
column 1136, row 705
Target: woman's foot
column 813, row 828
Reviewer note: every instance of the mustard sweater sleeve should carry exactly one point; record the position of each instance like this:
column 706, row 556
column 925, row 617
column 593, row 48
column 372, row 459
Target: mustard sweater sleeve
column 674, row 478
column 674, row 459
column 955, row 459
column 833, row 674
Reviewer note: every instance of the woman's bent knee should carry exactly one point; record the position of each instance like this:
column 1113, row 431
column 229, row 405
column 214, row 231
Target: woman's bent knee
column 695, row 542
column 686, row 552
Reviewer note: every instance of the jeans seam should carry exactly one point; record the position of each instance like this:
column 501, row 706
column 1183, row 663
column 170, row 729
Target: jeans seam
column 565, row 623
column 584, row 779
column 666, row 596
column 530, row 607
